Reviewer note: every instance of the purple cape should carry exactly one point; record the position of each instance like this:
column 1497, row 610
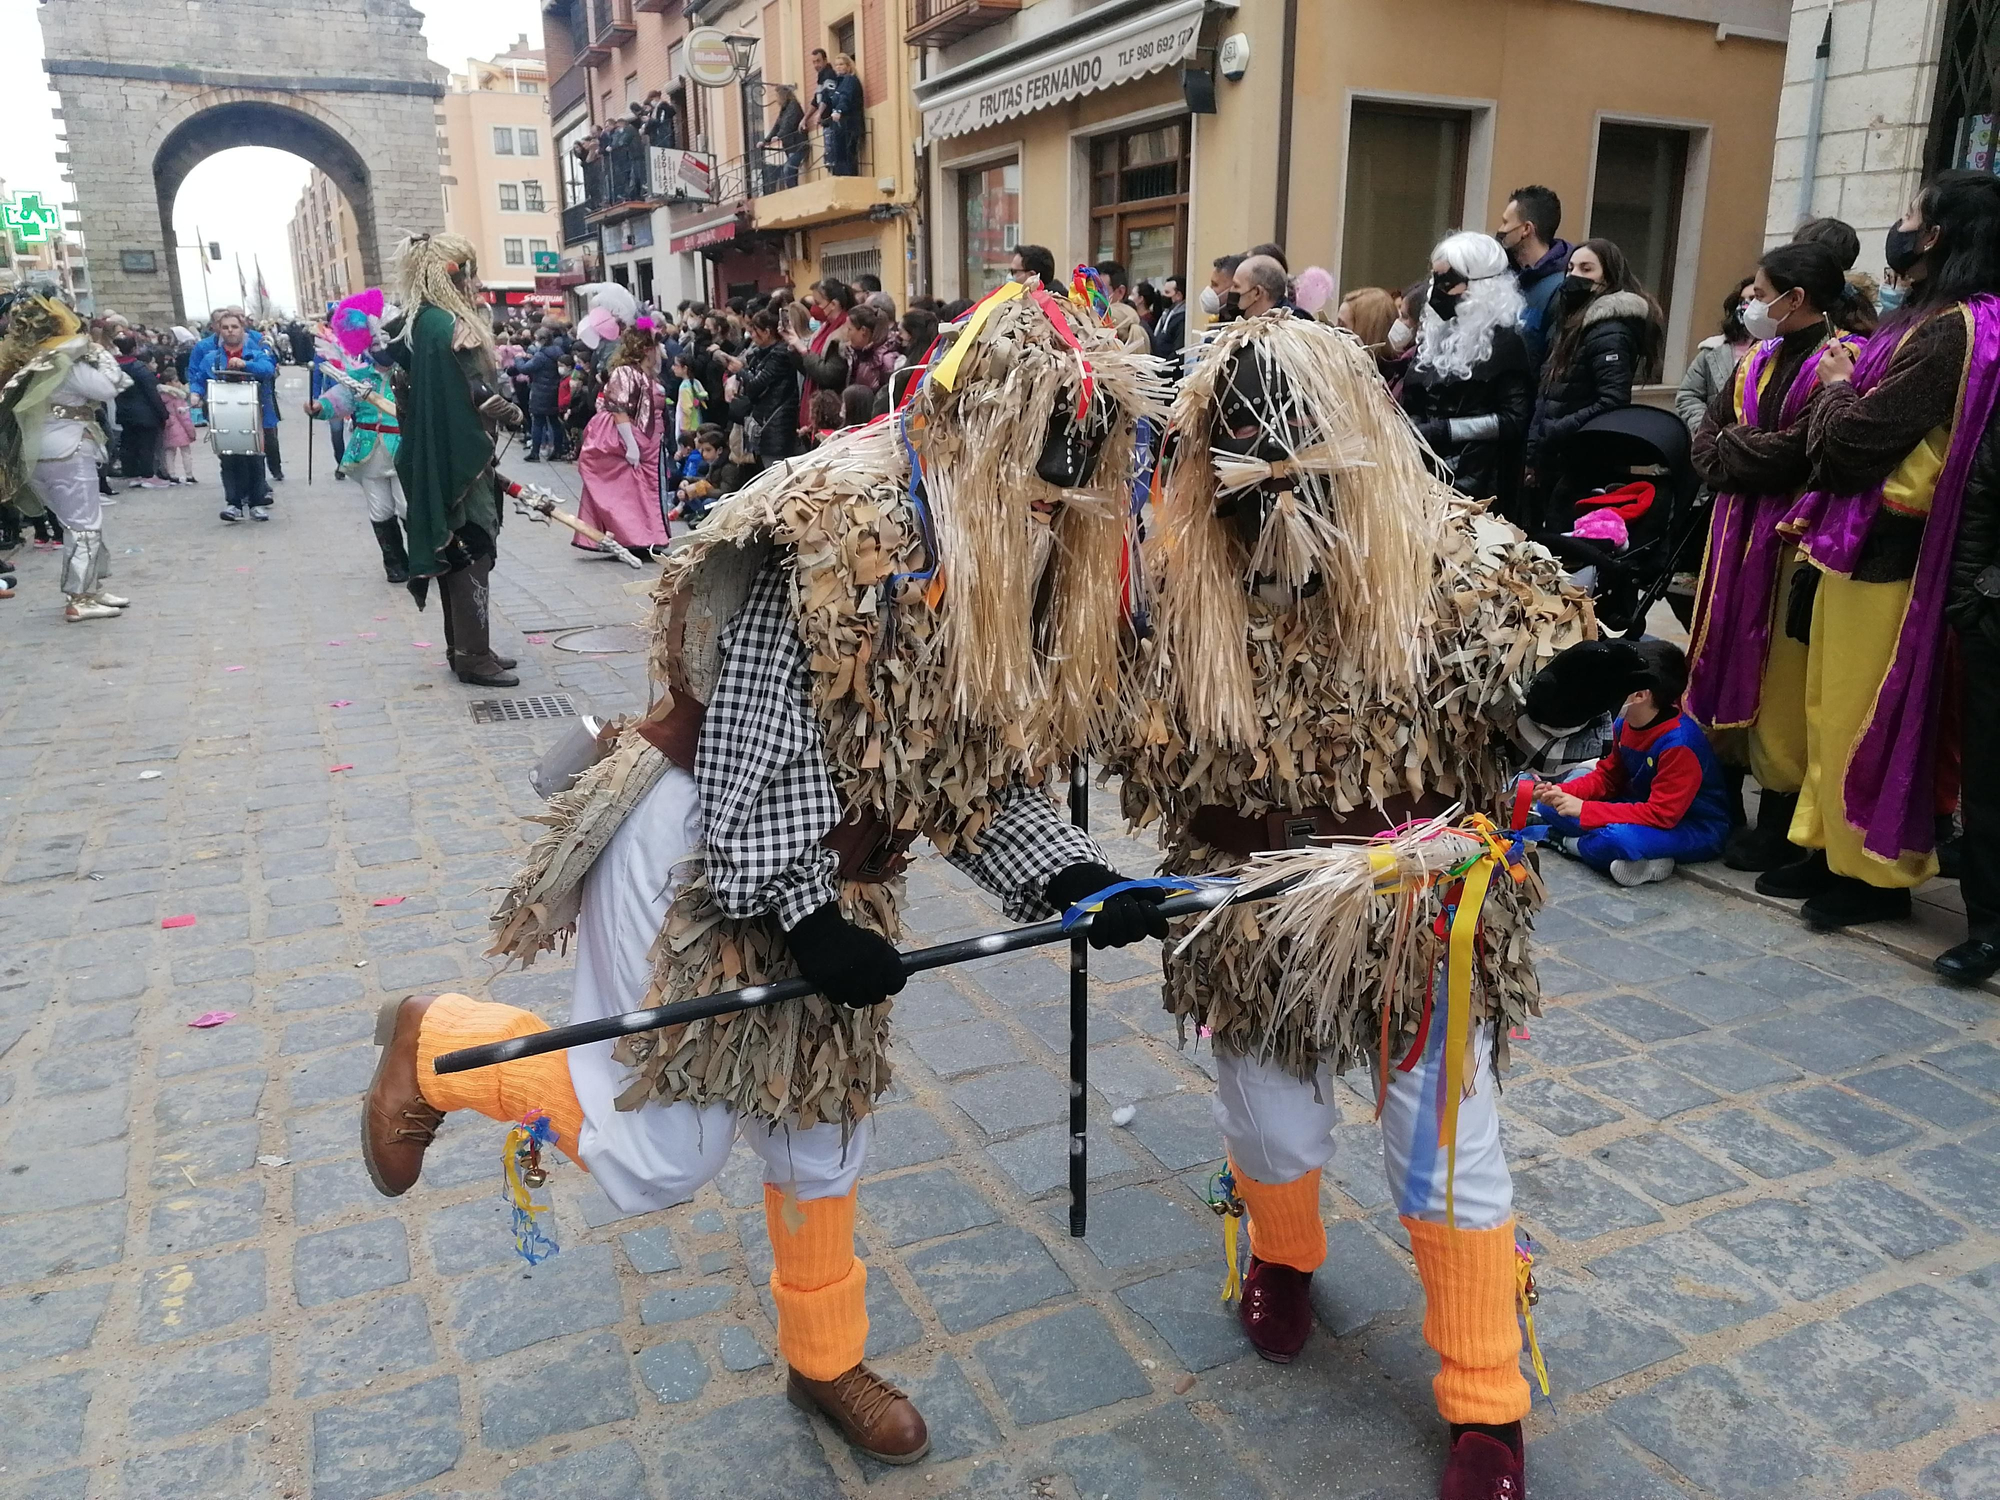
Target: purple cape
column 1739, row 578
column 1888, row 787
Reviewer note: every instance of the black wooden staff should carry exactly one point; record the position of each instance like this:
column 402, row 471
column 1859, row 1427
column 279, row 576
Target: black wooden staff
column 1079, row 1025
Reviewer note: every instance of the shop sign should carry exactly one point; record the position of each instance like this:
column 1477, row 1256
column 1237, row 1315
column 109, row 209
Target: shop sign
column 1159, row 39
column 708, row 234
column 687, row 176
column 710, row 62
column 547, row 262
column 29, row 220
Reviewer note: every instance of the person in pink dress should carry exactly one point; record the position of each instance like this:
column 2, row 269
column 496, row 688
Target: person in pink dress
column 179, row 434
column 620, row 457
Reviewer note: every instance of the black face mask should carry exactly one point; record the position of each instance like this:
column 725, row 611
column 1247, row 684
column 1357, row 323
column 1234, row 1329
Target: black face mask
column 1255, row 396
column 1903, row 249
column 1443, row 301
column 1577, row 290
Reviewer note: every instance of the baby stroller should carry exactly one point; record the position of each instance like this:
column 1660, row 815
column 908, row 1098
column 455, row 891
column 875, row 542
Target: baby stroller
column 1634, row 462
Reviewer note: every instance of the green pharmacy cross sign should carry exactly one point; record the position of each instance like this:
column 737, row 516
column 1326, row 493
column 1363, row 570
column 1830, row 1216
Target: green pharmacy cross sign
column 29, row 220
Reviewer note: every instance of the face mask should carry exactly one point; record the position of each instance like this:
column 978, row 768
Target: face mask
column 1577, row 290
column 1211, row 302
column 1903, row 249
column 1501, row 236
column 1444, row 303
column 1400, row 335
column 815, row 324
column 1758, row 321
column 1888, row 298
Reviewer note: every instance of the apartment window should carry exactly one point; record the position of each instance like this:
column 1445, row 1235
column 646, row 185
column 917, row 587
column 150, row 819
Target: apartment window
column 503, row 140
column 1636, row 201
column 989, row 224
column 1139, row 199
column 538, row 247
column 523, row 86
column 510, row 198
column 1405, row 188
column 842, row 33
column 512, row 253
column 531, row 197
column 631, row 88
column 1967, row 101
column 527, row 142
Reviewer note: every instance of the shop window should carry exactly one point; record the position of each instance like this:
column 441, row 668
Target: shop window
column 644, row 290
column 989, row 224
column 527, row 142
column 1139, row 198
column 1968, row 90
column 1405, row 189
column 512, row 253
column 510, row 198
column 1636, row 203
column 503, row 140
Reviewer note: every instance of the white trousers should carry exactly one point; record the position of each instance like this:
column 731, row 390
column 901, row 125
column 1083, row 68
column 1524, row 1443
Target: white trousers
column 383, row 491
column 660, row 1154
column 1279, row 1128
column 68, row 487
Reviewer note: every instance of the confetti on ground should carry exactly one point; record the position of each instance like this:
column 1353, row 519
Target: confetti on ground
column 423, row 645
column 210, row 1018
column 151, row 775
column 1519, row 1034
column 274, row 1161
column 341, row 703
column 348, row 766
column 1123, row 1114
column 242, row 570
column 390, row 900
column 336, row 643
column 537, row 640
column 366, row 635
column 187, row 921
column 232, row 669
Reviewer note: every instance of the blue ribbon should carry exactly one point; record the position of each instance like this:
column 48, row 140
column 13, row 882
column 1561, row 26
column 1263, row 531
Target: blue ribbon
column 1176, row 885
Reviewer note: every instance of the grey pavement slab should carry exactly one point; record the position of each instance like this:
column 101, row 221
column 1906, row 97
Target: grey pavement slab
column 1091, row 1370
column 1705, row 1424
column 974, row 1279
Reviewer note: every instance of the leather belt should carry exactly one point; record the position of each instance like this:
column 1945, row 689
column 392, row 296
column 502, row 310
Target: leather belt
column 376, row 427
column 870, row 850
column 1243, row 835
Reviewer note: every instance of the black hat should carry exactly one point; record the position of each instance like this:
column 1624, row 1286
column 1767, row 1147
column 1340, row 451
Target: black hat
column 1585, row 682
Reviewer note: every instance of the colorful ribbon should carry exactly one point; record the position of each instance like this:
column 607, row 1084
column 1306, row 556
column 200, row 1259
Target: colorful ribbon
column 1526, row 1298
column 1173, row 885
column 521, row 1164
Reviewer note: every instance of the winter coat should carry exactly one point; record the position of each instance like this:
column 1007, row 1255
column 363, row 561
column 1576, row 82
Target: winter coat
column 1597, row 379
column 210, row 359
column 1972, row 599
column 1475, row 423
column 1171, row 332
column 767, row 393
column 846, row 101
column 1539, row 285
column 544, row 378
column 139, row 404
column 1708, row 375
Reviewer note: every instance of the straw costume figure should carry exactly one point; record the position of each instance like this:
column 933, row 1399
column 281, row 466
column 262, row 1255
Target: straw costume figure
column 1341, row 644
column 450, row 411
column 902, row 633
column 54, row 382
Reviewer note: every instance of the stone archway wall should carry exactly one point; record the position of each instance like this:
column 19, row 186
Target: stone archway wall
column 344, row 84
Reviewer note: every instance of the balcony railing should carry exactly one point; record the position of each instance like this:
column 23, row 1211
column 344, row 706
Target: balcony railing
column 638, row 178
column 567, row 92
column 936, row 23
column 575, row 225
column 611, row 26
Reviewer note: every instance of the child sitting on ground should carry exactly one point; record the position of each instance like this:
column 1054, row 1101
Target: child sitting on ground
column 699, row 473
column 1656, row 798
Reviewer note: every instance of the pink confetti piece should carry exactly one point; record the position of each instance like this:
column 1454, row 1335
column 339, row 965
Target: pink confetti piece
column 242, row 570
column 341, row 703
column 423, row 645
column 390, row 900
column 345, row 766
column 186, row 921
column 537, row 640
column 336, row 643
column 232, row 669
column 213, row 1018
column 381, row 617
column 1519, row 1034
column 366, row 635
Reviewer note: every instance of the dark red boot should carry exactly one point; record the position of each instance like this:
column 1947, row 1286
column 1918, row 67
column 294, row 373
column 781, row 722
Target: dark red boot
column 1484, row 1466
column 1276, row 1310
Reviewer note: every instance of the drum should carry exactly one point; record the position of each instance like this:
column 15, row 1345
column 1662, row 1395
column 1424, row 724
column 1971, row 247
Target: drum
column 235, row 418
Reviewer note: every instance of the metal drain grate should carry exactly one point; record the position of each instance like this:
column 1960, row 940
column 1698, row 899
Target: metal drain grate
column 518, row 710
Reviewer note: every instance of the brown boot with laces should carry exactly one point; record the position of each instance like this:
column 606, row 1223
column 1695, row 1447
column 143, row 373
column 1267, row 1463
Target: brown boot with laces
column 871, row 1414
column 397, row 1124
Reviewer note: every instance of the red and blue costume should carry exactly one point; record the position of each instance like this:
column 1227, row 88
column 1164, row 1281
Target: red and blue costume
column 1656, row 794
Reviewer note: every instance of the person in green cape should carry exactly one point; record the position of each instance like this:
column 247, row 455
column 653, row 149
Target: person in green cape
column 448, row 394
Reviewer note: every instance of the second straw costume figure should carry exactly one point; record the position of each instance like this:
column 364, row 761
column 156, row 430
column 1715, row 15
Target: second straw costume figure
column 1340, row 644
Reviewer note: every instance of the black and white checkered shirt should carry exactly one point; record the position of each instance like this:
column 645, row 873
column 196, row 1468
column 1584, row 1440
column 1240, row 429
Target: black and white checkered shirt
column 768, row 799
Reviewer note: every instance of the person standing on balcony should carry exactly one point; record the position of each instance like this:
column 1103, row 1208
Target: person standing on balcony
column 844, row 119
column 787, row 135
column 656, row 121
column 824, row 79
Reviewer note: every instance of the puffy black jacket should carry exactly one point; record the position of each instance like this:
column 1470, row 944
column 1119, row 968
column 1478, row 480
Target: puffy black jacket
column 1972, row 601
column 767, row 393
column 1489, row 409
column 139, row 404
column 1596, row 378
column 544, row 379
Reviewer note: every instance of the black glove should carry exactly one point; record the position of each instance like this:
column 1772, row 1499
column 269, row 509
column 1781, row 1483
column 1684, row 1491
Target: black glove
column 851, row 965
column 1126, row 917
column 1437, row 433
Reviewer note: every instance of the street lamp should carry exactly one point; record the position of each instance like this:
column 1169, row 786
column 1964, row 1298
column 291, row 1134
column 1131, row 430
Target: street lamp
column 742, row 52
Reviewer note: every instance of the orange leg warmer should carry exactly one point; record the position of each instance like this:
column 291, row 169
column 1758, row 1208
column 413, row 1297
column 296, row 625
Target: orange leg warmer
column 508, row 1090
column 1470, row 1320
column 1285, row 1226
column 818, row 1284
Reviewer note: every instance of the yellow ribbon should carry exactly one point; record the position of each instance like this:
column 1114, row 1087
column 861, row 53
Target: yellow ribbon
column 945, row 371
column 1458, row 1014
column 1524, row 1266
column 1232, row 1281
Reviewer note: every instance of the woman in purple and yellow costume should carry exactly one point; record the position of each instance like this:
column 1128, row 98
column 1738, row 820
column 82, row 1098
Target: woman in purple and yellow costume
column 1892, row 440
column 1747, row 665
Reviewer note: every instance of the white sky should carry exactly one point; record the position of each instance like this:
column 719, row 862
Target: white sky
column 243, row 197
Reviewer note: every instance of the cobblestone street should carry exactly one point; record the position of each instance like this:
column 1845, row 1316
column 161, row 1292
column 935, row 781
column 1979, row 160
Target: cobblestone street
column 1762, row 1167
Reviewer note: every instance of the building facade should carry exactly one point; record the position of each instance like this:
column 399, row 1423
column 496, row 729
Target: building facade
column 325, row 246
column 500, row 170
column 1355, row 133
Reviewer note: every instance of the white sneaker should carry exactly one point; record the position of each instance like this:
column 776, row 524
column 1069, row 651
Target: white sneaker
column 105, row 596
column 88, row 609
column 260, row 513
column 232, row 513
column 1640, row 871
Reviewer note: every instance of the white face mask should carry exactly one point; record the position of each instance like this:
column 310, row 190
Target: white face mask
column 1211, row 301
column 1758, row 321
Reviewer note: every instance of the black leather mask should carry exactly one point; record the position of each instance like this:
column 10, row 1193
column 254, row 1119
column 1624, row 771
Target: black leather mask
column 1257, row 417
column 1071, row 447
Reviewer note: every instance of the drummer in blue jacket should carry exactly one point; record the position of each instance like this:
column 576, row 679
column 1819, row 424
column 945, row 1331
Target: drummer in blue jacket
column 239, row 350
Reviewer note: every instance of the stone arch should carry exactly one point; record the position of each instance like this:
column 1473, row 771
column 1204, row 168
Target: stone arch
column 238, row 117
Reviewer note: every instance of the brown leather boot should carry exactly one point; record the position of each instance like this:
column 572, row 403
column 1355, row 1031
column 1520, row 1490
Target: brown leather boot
column 871, row 1414
column 396, row 1122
